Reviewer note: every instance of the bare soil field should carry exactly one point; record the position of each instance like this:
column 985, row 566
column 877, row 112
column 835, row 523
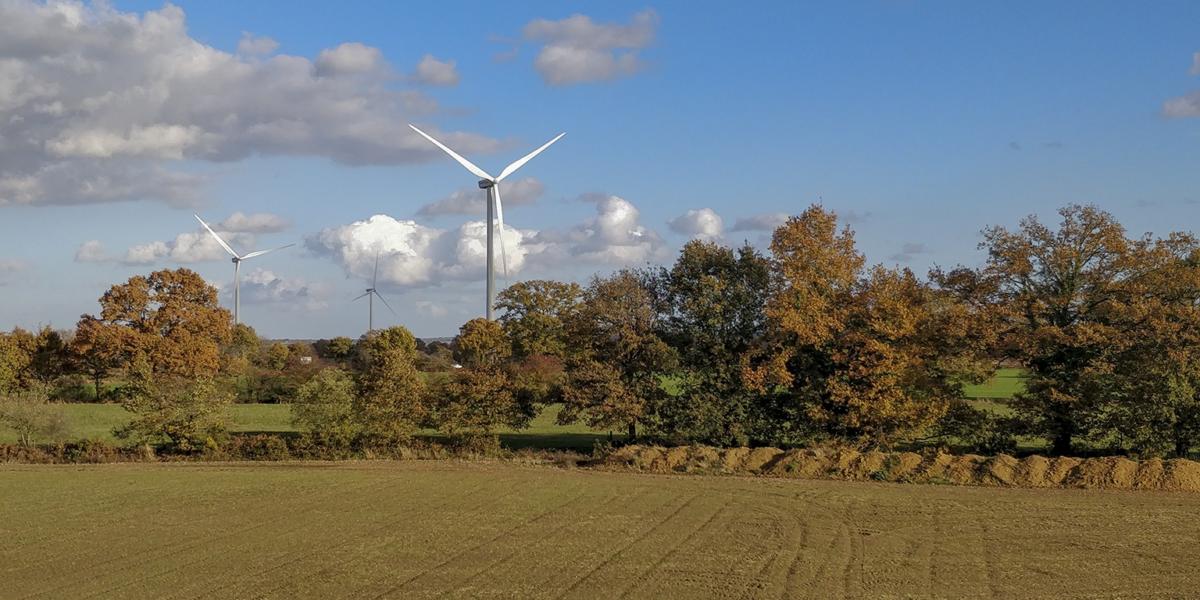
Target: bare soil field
column 491, row 529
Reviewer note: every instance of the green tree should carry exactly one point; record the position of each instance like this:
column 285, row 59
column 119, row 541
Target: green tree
column 324, row 408
column 614, row 375
column 392, row 398
column 482, row 344
column 534, row 315
column 1065, row 298
column 476, row 402
column 180, row 414
column 713, row 306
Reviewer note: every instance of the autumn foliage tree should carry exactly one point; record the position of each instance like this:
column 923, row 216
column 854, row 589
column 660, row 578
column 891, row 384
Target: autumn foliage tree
column 170, row 317
column 862, row 354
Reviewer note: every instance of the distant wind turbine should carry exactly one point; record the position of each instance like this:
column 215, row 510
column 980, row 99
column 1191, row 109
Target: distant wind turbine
column 237, row 266
column 371, row 293
column 492, row 185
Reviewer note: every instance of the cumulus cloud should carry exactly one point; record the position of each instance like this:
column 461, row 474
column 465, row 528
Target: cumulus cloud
column 414, row 255
column 470, row 200
column 254, row 223
column 763, row 222
column 253, row 45
column 96, row 104
column 91, row 251
column 432, row 71
column 431, row 309
column 700, row 224
column 614, row 236
column 579, row 50
column 261, row 286
column 908, row 250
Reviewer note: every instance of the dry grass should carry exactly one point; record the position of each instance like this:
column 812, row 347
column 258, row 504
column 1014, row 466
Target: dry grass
column 428, row 529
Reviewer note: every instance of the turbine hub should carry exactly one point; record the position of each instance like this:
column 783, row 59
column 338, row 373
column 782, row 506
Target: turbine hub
column 235, row 260
column 486, row 183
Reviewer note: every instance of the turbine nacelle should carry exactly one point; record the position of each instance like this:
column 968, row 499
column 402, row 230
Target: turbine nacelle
column 486, row 183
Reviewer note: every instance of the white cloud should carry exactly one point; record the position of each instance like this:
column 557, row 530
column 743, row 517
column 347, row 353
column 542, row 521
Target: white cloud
column 579, row 50
column 763, row 222
column 1187, row 105
column 96, row 104
column 11, row 265
column 411, row 254
column 91, row 251
column 432, row 71
column 471, row 200
column 260, row 286
column 614, row 236
column 252, row 45
column 349, row 58
column 189, row 247
column 253, row 223
column 701, row 224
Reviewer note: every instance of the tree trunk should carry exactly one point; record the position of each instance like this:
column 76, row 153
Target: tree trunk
column 632, row 430
column 1061, row 444
column 96, row 377
column 1182, row 444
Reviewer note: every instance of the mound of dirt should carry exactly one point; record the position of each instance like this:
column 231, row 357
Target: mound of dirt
column 1002, row 470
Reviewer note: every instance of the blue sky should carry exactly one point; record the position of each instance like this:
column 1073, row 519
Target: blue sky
column 923, row 122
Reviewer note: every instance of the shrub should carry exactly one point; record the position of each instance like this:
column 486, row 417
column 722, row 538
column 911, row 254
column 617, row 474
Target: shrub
column 32, row 417
column 324, row 409
column 181, row 416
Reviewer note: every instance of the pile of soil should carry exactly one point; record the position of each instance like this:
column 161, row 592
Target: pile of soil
column 1002, row 470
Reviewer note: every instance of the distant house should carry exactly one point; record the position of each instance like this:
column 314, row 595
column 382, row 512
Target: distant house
column 306, row 360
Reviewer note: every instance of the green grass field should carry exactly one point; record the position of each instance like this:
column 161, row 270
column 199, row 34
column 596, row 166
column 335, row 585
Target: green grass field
column 97, row 421
column 1005, row 384
column 426, row 529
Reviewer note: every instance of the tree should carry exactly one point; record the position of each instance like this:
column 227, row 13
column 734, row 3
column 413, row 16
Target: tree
column 713, row 303
column 179, row 414
column 15, row 358
column 276, row 356
column 31, row 416
column 871, row 355
column 1065, row 298
column 392, row 398
column 534, row 315
column 481, row 344
column 95, row 348
column 614, row 375
column 475, row 403
column 339, row 348
column 324, row 408
column 171, row 317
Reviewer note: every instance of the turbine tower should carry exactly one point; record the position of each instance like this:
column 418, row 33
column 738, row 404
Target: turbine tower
column 370, row 295
column 492, row 185
column 237, row 266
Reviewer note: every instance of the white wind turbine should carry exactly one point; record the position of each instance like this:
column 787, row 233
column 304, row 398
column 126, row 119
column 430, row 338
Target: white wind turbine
column 371, row 293
column 237, row 266
column 492, row 185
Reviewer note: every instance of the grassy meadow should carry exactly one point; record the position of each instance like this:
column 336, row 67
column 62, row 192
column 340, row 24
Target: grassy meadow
column 424, row 529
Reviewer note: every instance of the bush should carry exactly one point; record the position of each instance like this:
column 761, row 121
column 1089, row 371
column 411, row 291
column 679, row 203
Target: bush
column 257, row 447
column 180, row 416
column 32, row 417
column 324, row 409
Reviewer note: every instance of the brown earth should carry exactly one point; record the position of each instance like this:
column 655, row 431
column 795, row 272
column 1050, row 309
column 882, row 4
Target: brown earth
column 457, row 529
column 1109, row 473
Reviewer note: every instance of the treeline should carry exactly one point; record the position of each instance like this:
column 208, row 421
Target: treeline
column 728, row 346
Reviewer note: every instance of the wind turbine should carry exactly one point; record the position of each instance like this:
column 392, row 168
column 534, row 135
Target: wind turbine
column 492, row 185
column 370, row 295
column 237, row 266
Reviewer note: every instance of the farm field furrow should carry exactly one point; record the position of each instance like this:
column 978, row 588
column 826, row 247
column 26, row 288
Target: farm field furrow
column 471, row 529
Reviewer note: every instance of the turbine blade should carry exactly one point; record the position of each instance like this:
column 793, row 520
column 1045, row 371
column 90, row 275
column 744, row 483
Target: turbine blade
column 500, row 220
column 262, row 252
column 510, row 169
column 375, row 277
column 389, row 306
column 462, row 161
column 361, row 296
column 218, row 238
